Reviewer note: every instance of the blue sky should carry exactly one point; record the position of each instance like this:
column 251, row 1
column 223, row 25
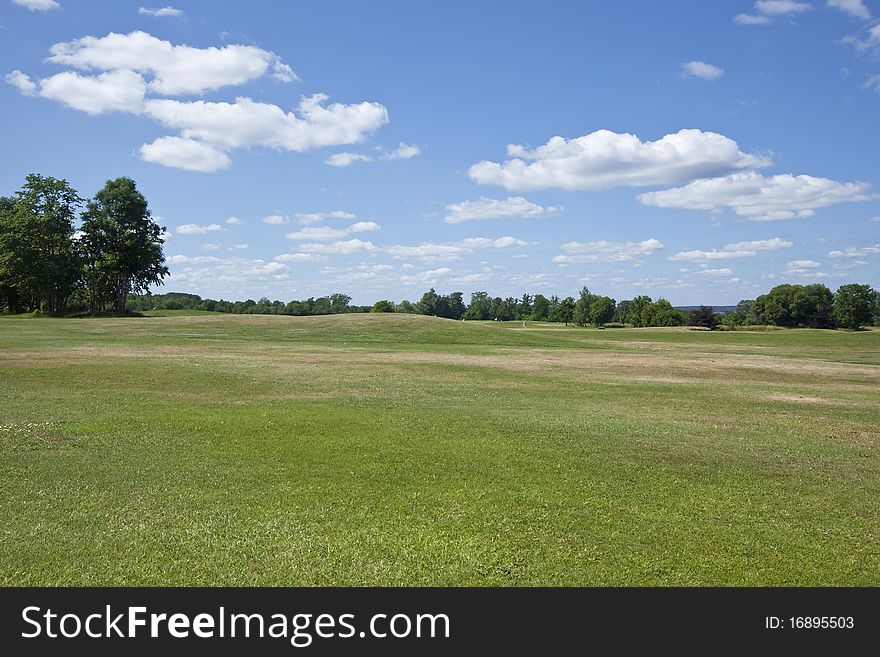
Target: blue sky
column 697, row 151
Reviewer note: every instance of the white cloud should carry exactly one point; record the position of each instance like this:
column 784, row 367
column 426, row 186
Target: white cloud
column 855, row 252
column 702, row 70
column 235, row 221
column 448, row 251
column 298, row 257
column 487, row 243
column 249, row 123
column 760, row 198
column 196, row 229
column 605, row 159
column 190, row 260
column 750, row 19
column 315, row 217
column 161, row 12
column 210, row 246
column 22, row 82
column 854, row 8
column 869, row 43
column 800, row 265
column 605, row 251
column 346, row 159
column 781, row 7
column 735, row 250
column 275, row 220
column 488, row 208
column 364, row 227
column 174, row 69
column 402, row 152
column 321, row 233
column 116, row 91
column 872, row 84
column 766, row 10
column 239, row 247
column 188, row 154
column 724, row 272
column 37, row 5
column 345, row 247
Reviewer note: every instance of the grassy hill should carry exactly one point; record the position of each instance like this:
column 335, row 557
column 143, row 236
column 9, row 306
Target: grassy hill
column 401, row 449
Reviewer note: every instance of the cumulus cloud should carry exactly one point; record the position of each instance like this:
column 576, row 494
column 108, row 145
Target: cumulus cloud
column 734, row 250
column 868, row 43
column 343, row 247
column 800, row 266
column 196, row 229
column 249, row 123
column 488, row 208
column 174, row 69
column 342, row 160
column 448, row 251
column 275, row 219
column 326, row 233
column 187, row 154
column 402, row 152
column 767, row 10
column 161, row 12
column 605, row 251
column 235, row 221
column 37, row 5
column 701, row 70
column 115, row 91
column 305, row 219
column 133, row 66
column 298, row 257
column 22, row 82
column 760, row 198
column 854, row 8
column 855, row 252
column 605, row 159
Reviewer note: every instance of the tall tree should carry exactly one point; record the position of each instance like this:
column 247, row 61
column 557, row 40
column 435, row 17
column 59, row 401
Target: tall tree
column 123, row 245
column 854, row 306
column 39, row 263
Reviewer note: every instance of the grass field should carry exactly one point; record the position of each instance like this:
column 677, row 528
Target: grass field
column 408, row 450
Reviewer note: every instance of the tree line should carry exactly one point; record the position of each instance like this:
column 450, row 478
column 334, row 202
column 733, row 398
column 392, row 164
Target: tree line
column 47, row 265
column 808, row 306
column 115, row 257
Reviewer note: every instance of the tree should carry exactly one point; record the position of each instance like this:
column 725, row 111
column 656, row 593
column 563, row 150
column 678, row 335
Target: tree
column 563, row 311
column 382, row 306
column 582, row 307
column 601, row 310
column 854, row 306
column 428, row 303
column 39, row 261
column 704, row 316
column 540, row 308
column 122, row 244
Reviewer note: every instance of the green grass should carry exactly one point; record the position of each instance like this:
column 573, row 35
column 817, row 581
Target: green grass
column 406, row 450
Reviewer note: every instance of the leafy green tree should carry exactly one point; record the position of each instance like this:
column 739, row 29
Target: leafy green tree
column 382, row 306
column 428, row 303
column 582, row 315
column 704, row 316
column 854, row 306
column 563, row 311
column 540, row 308
column 406, row 306
column 480, row 306
column 122, row 244
column 601, row 310
column 39, row 260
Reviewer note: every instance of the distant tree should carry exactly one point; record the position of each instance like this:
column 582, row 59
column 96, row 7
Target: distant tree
column 582, row 307
column 564, row 311
column 480, row 306
column 428, row 303
column 382, row 306
column 704, row 316
column 540, row 308
column 339, row 302
column 405, row 307
column 122, row 245
column 455, row 306
column 39, row 259
column 854, row 306
column 601, row 310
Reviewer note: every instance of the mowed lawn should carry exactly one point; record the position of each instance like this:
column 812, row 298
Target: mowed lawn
column 409, row 450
